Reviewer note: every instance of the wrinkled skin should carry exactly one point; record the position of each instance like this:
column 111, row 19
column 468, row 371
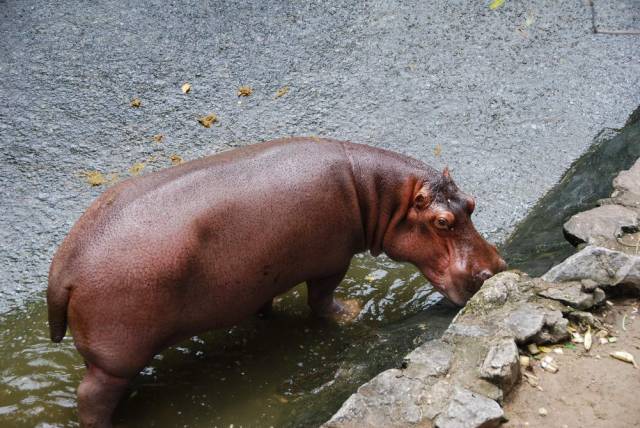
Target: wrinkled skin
column 203, row 245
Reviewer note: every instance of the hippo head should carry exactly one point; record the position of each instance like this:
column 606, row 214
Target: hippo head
column 438, row 236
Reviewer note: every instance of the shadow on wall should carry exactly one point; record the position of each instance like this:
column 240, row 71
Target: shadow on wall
column 538, row 243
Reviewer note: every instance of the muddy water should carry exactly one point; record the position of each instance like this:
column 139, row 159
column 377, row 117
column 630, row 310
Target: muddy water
column 287, row 370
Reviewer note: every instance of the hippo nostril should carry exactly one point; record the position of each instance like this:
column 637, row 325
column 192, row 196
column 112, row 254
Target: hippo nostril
column 483, row 275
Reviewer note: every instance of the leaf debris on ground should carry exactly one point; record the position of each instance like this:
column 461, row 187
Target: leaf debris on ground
column 94, row 178
column 282, row 91
column 176, row 159
column 587, row 339
column 495, row 4
column 245, row 91
column 136, row 102
column 437, row 151
column 136, row 168
column 624, row 356
column 158, row 138
column 208, row 120
column 186, row 88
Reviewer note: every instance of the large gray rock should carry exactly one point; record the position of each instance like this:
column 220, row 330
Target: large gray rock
column 470, row 410
column 604, row 266
column 601, row 225
column 574, row 294
column 626, row 199
column 628, row 181
column 390, row 400
column 536, row 323
column 525, row 322
column 430, row 359
column 501, row 365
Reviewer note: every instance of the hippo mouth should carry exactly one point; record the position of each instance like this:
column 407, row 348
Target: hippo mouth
column 444, row 284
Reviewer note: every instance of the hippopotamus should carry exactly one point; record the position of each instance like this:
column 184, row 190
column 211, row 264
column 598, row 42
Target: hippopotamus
column 205, row 244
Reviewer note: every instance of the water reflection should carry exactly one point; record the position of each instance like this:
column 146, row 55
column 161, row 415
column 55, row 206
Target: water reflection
column 288, row 370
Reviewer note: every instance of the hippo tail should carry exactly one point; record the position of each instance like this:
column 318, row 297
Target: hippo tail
column 57, row 302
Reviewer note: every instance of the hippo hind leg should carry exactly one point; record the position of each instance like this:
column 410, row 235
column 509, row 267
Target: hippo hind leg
column 324, row 304
column 98, row 395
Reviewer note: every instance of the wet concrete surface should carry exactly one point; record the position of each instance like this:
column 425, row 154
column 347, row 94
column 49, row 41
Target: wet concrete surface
column 511, row 96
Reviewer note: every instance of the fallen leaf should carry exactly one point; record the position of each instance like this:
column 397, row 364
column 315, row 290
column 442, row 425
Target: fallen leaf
column 530, row 19
column 437, row 151
column 369, row 278
column 136, row 102
column 587, row 339
column 208, row 120
column 495, row 4
column 244, row 91
column 186, row 88
column 282, row 91
column 94, row 178
column 531, row 379
column 624, row 356
column 158, row 138
column 548, row 364
column 602, row 333
column 176, row 159
column 569, row 345
column 533, row 349
column 136, row 168
column 544, row 349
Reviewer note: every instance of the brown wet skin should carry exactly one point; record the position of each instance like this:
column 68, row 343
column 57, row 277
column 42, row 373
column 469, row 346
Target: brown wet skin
column 206, row 244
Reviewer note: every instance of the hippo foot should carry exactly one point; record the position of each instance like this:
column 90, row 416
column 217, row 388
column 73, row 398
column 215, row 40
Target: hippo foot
column 341, row 311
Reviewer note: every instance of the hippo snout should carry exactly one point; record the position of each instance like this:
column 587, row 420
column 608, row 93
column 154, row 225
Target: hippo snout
column 483, row 275
column 486, row 273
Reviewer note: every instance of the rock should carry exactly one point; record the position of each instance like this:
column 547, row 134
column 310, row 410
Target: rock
column 430, row 359
column 570, row 293
column 496, row 289
column 531, row 323
column 460, row 329
column 501, row 365
column 588, row 285
column 555, row 328
column 601, row 225
column 525, row 323
column 626, row 199
column 604, row 266
column 599, row 296
column 585, row 318
column 389, row 399
column 469, row 410
column 629, row 180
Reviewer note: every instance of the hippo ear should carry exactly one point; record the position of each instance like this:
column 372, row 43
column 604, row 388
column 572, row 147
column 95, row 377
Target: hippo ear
column 446, row 174
column 422, row 199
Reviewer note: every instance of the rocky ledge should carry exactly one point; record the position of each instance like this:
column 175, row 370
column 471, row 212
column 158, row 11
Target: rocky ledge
column 461, row 379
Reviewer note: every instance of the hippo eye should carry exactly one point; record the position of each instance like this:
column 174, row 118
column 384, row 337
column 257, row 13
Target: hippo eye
column 442, row 223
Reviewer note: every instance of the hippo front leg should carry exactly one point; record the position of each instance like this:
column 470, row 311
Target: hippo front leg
column 324, row 304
